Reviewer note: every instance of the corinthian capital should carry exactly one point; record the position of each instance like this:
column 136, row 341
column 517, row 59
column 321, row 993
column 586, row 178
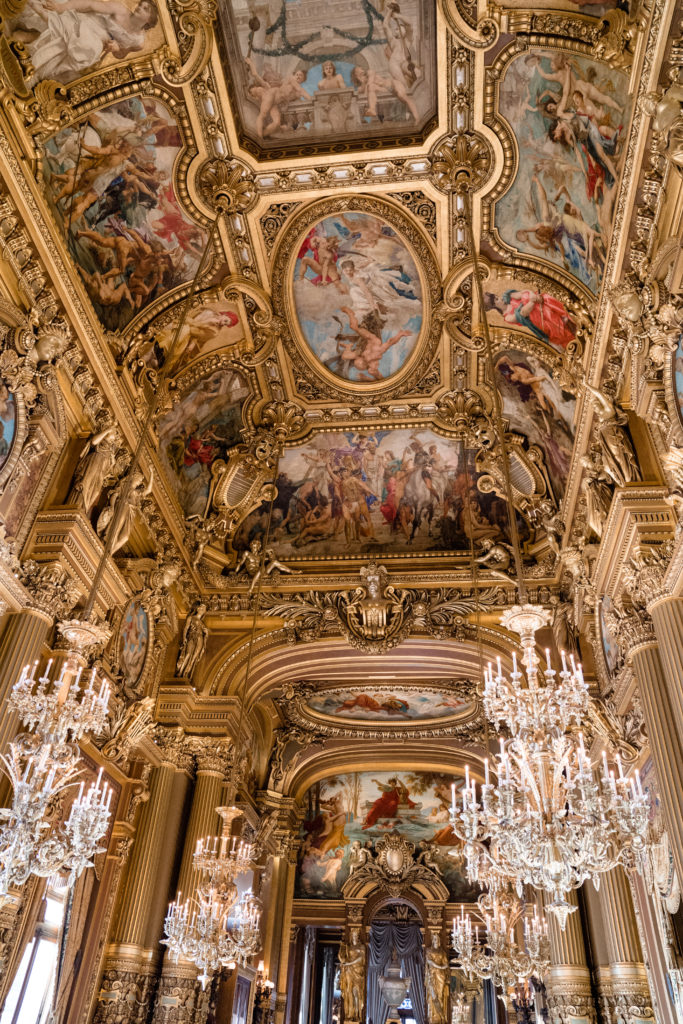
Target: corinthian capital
column 644, row 577
column 633, row 628
column 52, row 589
column 211, row 755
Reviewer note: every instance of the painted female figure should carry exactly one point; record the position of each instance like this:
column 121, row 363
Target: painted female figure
column 541, row 313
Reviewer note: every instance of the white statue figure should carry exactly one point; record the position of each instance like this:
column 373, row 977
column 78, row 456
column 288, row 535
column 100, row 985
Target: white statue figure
column 194, row 642
column 497, row 558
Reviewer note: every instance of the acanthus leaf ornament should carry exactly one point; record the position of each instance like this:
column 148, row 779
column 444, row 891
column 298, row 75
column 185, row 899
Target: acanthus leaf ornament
column 227, row 186
column 461, row 163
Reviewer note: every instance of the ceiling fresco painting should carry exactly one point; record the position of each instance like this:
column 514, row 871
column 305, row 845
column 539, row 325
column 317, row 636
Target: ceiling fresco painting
column 208, row 327
column 537, row 407
column 361, row 807
column 387, row 704
column 357, row 295
column 199, row 430
column 568, row 115
column 305, row 73
column 380, row 492
column 109, row 180
column 68, row 39
column 515, row 303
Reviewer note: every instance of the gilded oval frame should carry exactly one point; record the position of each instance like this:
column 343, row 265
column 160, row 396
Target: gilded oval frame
column 305, row 364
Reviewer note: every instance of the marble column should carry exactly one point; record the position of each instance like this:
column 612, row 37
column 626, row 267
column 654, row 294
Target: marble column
column 180, row 999
column 568, row 981
column 638, row 638
column 622, row 982
column 133, row 959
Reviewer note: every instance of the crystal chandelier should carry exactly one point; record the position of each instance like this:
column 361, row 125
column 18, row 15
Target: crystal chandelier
column 221, row 859
column 496, row 955
column 461, row 1011
column 41, row 765
column 551, row 820
column 204, row 931
column 216, row 928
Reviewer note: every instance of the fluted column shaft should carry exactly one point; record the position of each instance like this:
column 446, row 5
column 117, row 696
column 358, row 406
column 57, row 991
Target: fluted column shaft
column 665, row 743
column 619, row 919
column 204, row 821
column 622, row 982
column 149, row 851
column 667, row 619
column 21, row 644
column 569, row 981
column 180, row 1000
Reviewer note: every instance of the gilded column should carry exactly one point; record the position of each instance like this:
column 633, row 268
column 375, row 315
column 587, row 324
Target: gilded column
column 622, row 983
column 667, row 619
column 22, row 642
column 180, row 999
column 568, row 981
column 134, row 955
column 637, row 636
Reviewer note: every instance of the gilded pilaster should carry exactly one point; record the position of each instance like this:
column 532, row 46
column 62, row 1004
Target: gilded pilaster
column 569, row 983
column 665, row 742
column 622, row 983
column 22, row 642
column 180, row 998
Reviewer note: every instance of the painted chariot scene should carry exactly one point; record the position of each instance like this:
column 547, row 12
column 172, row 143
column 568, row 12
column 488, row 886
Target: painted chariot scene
column 347, row 814
column 385, row 491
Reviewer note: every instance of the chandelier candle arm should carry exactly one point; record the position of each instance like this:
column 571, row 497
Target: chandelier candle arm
column 41, row 764
column 552, row 820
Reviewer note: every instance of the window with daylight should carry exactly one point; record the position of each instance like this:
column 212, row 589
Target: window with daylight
column 30, row 997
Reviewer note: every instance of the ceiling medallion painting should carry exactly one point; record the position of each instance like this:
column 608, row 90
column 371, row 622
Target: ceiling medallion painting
column 382, row 492
column 200, row 429
column 357, row 295
column 531, row 304
column 568, row 115
column 109, row 181
column 359, row 282
column 324, row 77
column 211, row 324
column 536, row 406
column 388, row 705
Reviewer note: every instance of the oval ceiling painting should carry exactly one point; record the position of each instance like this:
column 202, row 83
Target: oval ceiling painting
column 387, row 704
column 358, row 296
